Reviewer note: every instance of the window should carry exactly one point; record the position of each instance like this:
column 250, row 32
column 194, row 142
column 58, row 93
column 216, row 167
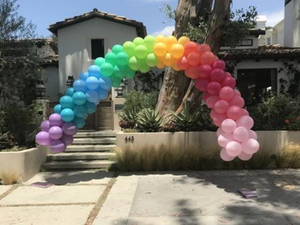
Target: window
column 246, row 42
column 97, row 48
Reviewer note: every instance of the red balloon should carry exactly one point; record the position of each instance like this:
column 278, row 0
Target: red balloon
column 220, row 64
column 217, row 75
column 234, row 112
column 183, row 63
column 213, row 114
column 238, row 101
column 221, row 106
column 226, row 93
column 229, row 81
column 203, row 48
column 227, row 74
column 211, row 101
column 205, row 71
column 190, row 47
column 213, row 88
column 208, row 58
column 194, row 58
column 201, row 84
column 192, row 72
column 245, row 112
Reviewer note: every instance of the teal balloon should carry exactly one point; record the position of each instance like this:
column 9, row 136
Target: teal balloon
column 107, row 69
column 67, row 115
column 99, row 61
column 79, row 85
column 57, row 109
column 66, row 102
column 122, row 59
column 79, row 98
column 117, row 49
column 70, row 91
column 90, row 107
column 111, row 58
column 79, row 122
column 80, row 111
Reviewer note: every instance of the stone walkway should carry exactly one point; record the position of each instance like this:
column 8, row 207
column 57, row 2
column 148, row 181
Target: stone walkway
column 182, row 198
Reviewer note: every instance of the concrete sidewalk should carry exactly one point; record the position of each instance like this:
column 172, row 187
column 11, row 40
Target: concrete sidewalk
column 179, row 198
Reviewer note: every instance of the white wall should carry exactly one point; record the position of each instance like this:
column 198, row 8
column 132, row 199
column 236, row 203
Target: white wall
column 280, row 33
column 292, row 24
column 51, row 76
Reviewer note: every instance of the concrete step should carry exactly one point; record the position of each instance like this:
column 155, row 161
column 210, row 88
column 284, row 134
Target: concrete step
column 95, row 134
column 88, row 141
column 90, row 148
column 80, row 156
column 78, row 164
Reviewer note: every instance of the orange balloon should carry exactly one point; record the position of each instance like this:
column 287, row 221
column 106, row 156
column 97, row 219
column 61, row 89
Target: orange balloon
column 160, row 63
column 174, row 64
column 160, row 49
column 183, row 63
column 203, row 48
column 177, row 51
column 190, row 47
column 192, row 72
column 183, row 40
column 170, row 41
column 168, row 59
column 194, row 58
column 208, row 58
column 161, row 38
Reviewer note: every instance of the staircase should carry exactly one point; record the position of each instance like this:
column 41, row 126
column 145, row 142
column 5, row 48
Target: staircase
column 90, row 150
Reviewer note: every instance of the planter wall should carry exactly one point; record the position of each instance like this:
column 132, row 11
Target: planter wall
column 25, row 163
column 269, row 140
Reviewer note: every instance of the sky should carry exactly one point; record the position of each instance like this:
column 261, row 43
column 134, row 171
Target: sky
column 44, row 13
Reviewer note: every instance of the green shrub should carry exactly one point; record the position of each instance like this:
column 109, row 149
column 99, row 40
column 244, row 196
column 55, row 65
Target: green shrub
column 149, row 121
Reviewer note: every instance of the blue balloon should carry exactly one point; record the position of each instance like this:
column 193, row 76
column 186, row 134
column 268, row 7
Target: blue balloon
column 103, row 94
column 57, row 109
column 79, row 85
column 92, row 83
column 105, row 83
column 79, row 122
column 92, row 96
column 66, row 102
column 83, row 76
column 67, row 115
column 70, row 91
column 90, row 107
column 79, row 98
column 94, row 71
column 80, row 111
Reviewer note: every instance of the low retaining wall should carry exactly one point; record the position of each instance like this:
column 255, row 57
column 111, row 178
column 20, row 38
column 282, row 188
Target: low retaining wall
column 269, row 140
column 25, row 163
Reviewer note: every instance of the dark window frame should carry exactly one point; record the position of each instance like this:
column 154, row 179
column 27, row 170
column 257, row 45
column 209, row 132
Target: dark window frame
column 96, row 50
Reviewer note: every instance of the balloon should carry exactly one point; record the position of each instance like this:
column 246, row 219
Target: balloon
column 45, row 125
column 94, row 71
column 250, row 146
column 221, row 106
column 122, row 59
column 92, row 96
column 99, row 61
column 226, row 93
column 245, row 112
column 141, row 51
column 103, row 94
column 57, row 109
column 67, row 139
column 211, row 101
column 57, row 146
column 69, row 128
column 183, row 63
column 220, row 132
column 170, row 42
column 110, row 58
column 192, row 72
column 224, row 139
column 116, row 82
column 229, row 81
column 213, row 88
column 161, row 38
column 43, row 138
column 167, row 59
column 238, row 101
column 201, row 84
column 92, row 83
column 245, row 121
column 213, row 114
column 118, row 72
column 203, row 48
column 134, row 64
column 107, row 69
column 218, row 120
column 138, row 41
column 70, row 91
column 79, row 85
column 67, row 115
column 217, row 75
column 151, row 60
column 219, row 64
column 105, row 83
column 183, row 40
column 160, row 49
column 79, row 122
column 117, row 49
column 245, row 157
column 252, row 134
column 234, row 112
column 225, row 156
column 66, row 102
column 79, row 98
column 228, row 126
column 194, row 58
column 208, row 58
column 55, row 119
column 55, row 133
column 237, row 93
column 129, row 47
column 205, row 71
column 149, row 42
column 91, row 107
column 233, row 148
column 190, row 47
column 241, row 134
column 177, row 51
column 80, row 111
column 205, row 96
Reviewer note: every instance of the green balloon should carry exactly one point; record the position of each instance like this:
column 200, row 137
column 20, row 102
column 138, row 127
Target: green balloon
column 111, row 58
column 149, row 42
column 99, row 61
column 151, row 60
column 118, row 72
column 115, row 81
column 138, row 41
column 122, row 59
column 107, row 69
column 134, row 64
column 130, row 73
column 117, row 49
column 128, row 48
column 144, row 68
column 141, row 51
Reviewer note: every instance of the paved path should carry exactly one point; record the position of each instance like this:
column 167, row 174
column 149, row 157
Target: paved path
column 183, row 198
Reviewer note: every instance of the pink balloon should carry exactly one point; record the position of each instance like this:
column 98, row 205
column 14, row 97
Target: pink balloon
column 245, row 157
column 213, row 114
column 43, row 138
column 237, row 93
column 224, row 139
column 226, row 93
column 220, row 132
column 229, row 81
column 252, row 134
column 250, row 146
column 205, row 96
column 55, row 133
column 227, row 74
column 241, row 134
column 233, row 148
column 234, row 112
column 245, row 121
column 219, row 119
column 213, row 88
column 221, row 106
column 211, row 101
column 228, row 126
column 225, row 157
column 217, row 75
column 245, row 112
column 219, row 64
column 205, row 71
column 192, row 72
column 45, row 125
column 201, row 84
column 57, row 146
column 238, row 101
column 67, row 139
column 55, row 120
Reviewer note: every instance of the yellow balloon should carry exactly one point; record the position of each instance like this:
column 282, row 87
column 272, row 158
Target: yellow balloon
column 160, row 49
column 160, row 38
column 174, row 64
column 170, row 41
column 160, row 64
column 168, row 59
column 183, row 40
column 177, row 51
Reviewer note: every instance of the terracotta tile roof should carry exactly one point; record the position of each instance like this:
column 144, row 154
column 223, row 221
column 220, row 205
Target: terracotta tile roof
column 141, row 29
column 263, row 52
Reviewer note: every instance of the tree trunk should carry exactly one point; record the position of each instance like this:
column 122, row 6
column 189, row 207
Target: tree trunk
column 177, row 88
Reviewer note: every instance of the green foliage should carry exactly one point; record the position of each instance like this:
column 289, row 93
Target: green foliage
column 148, row 82
column 148, row 121
column 291, row 85
column 197, row 33
column 168, row 11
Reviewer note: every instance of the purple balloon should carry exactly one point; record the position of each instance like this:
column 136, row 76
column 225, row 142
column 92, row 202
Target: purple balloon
column 45, row 126
column 57, row 146
column 67, row 139
column 55, row 120
column 69, row 128
column 55, row 133
column 43, row 138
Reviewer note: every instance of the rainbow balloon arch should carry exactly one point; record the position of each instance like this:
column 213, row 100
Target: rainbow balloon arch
column 208, row 72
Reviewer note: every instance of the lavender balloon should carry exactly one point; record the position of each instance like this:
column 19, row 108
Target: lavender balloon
column 45, row 126
column 43, row 138
column 55, row 133
column 67, row 139
column 57, row 146
column 55, row 120
column 69, row 128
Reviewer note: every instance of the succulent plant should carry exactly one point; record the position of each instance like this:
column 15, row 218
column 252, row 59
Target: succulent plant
column 149, row 121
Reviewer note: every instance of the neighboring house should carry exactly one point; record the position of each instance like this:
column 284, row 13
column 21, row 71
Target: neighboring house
column 258, row 65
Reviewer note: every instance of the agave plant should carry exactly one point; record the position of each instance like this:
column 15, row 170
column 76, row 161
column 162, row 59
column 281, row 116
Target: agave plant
column 149, row 121
column 127, row 119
